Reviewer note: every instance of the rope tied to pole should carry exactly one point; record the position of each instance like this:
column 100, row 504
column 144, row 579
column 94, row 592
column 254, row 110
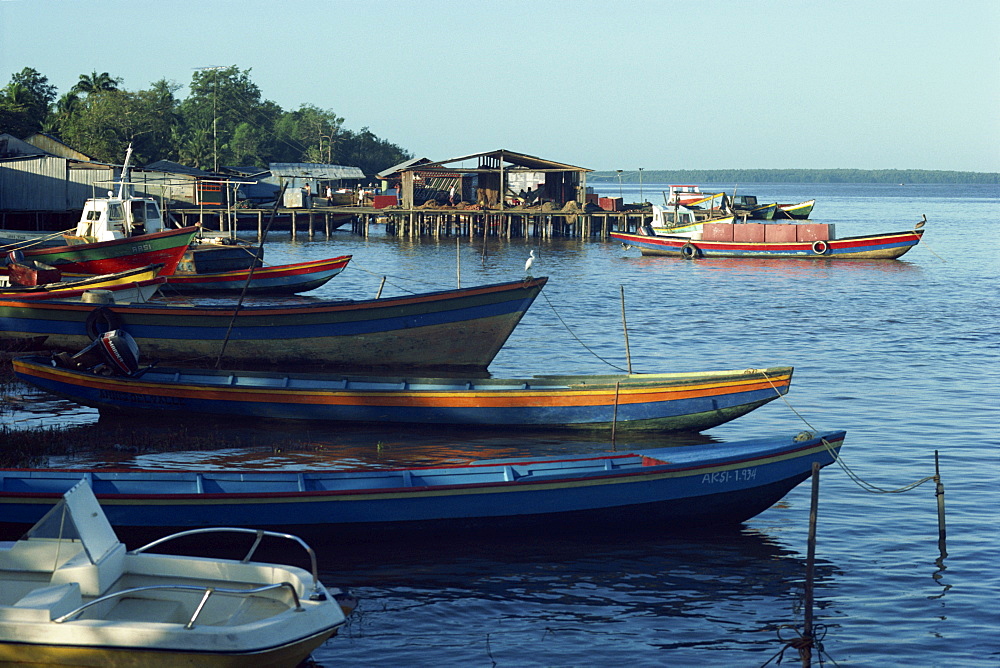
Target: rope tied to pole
column 613, row 366
column 801, row 643
column 854, row 477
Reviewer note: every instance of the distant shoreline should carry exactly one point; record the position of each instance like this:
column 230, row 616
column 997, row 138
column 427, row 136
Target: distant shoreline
column 887, row 176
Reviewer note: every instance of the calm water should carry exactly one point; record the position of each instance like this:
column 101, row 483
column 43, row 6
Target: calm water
column 904, row 355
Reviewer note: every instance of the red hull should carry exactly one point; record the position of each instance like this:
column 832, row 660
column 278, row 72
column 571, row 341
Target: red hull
column 110, row 257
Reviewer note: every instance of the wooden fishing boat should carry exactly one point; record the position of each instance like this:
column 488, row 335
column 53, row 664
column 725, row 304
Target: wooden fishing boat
column 456, row 330
column 686, row 195
column 663, row 402
column 700, row 487
column 682, row 221
column 108, row 257
column 122, row 231
column 63, row 288
column 72, row 595
column 747, row 206
column 800, row 211
column 888, row 246
column 279, row 279
column 135, row 292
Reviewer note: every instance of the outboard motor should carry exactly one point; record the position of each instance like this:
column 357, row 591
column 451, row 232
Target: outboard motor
column 113, row 353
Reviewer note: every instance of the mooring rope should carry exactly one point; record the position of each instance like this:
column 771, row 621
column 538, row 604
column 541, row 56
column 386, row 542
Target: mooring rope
column 854, row 477
column 801, row 643
column 19, row 245
column 613, row 366
column 354, row 265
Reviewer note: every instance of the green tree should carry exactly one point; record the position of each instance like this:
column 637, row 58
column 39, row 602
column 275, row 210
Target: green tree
column 308, row 134
column 371, row 154
column 25, row 102
column 105, row 123
column 95, row 83
column 221, row 99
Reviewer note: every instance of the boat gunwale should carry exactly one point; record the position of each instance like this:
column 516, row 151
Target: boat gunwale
column 824, row 442
column 322, row 306
column 168, row 233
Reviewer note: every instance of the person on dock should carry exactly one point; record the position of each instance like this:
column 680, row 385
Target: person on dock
column 329, row 196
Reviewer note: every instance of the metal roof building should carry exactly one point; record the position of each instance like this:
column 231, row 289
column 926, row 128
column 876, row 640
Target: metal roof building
column 518, row 176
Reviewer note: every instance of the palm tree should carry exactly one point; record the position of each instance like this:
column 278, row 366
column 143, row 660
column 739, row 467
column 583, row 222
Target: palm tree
column 95, row 83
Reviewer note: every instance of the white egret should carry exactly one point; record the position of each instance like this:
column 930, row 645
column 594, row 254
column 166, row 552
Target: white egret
column 531, row 261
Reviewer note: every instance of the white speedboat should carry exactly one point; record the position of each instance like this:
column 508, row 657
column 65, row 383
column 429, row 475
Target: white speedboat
column 71, row 594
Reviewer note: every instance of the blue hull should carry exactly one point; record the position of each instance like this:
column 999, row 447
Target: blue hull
column 451, row 329
column 721, row 484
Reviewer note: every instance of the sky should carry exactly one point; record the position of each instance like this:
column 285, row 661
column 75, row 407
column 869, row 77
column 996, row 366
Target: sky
column 669, row 84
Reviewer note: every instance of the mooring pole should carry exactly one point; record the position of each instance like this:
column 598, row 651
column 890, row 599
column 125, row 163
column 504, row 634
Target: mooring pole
column 939, row 493
column 380, row 286
column 458, row 262
column 628, row 352
column 246, row 285
column 805, row 651
column 614, row 419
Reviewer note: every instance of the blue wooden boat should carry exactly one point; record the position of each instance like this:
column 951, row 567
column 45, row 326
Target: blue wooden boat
column 454, row 330
column 671, row 489
column 662, row 402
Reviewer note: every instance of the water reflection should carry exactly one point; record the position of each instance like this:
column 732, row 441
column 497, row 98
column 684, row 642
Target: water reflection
column 728, row 590
column 214, row 444
column 785, row 267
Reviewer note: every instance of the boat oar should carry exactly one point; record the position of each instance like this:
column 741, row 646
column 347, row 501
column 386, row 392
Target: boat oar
column 253, row 265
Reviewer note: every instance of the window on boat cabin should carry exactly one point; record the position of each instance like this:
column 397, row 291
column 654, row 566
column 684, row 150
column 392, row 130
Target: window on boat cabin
column 152, row 211
column 115, row 212
column 116, row 217
column 90, row 222
column 138, row 212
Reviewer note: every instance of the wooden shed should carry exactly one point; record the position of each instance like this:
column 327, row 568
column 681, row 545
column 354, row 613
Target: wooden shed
column 492, row 179
column 38, row 188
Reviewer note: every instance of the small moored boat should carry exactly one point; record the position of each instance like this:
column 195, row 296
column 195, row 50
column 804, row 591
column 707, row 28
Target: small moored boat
column 800, row 211
column 663, row 402
column 456, row 330
column 272, row 280
column 775, row 240
column 697, row 487
column 61, row 289
column 72, row 595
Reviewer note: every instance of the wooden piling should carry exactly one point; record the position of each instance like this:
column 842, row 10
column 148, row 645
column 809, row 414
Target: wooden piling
column 628, row 352
column 939, row 493
column 805, row 650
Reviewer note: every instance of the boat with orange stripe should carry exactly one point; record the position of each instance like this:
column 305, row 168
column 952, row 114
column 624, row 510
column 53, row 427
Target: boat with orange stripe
column 663, row 402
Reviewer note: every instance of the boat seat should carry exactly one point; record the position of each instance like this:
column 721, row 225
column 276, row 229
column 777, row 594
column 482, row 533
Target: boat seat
column 94, row 579
column 44, row 603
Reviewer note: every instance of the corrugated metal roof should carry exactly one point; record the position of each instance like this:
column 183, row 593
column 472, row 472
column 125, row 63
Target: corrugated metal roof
column 314, row 170
column 512, row 158
column 172, row 167
column 402, row 166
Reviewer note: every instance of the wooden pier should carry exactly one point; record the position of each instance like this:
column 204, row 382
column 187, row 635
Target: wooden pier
column 511, row 223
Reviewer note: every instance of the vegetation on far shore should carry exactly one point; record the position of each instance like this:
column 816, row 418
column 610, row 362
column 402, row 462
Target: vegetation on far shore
column 742, row 176
column 225, row 120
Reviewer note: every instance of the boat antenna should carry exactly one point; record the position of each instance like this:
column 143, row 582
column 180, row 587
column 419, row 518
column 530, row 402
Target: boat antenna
column 125, row 177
